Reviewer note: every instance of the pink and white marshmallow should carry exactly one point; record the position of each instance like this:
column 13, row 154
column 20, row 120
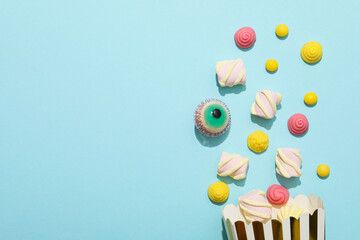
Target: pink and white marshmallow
column 233, row 165
column 231, row 73
column 288, row 162
column 255, row 207
column 265, row 104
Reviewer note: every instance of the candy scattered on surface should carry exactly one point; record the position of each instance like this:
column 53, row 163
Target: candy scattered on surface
column 255, row 206
column 310, row 98
column 265, row 104
column 288, row 162
column 298, row 124
column 323, row 170
column 212, row 118
column 218, row 192
column 282, row 30
column 311, row 52
column 258, row 141
column 277, row 194
column 233, row 165
column 231, row 73
column 245, row 37
column 271, row 65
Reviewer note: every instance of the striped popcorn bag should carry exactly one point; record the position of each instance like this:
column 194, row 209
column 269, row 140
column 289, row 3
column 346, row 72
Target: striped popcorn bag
column 310, row 225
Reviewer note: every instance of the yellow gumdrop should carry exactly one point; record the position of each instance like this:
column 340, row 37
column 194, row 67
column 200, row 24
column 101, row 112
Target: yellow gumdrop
column 310, row 98
column 323, row 170
column 311, row 52
column 282, row 30
column 218, row 192
column 258, row 141
column 271, row 65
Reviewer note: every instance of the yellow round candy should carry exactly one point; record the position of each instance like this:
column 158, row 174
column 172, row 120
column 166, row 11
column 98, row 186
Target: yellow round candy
column 323, row 170
column 218, row 192
column 271, row 65
column 282, row 30
column 258, row 141
column 310, row 98
column 311, row 52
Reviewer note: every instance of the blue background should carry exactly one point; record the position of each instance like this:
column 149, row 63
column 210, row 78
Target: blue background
column 97, row 138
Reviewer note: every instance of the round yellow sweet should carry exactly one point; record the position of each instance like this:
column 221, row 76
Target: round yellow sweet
column 282, row 30
column 310, row 98
column 218, row 192
column 323, row 170
column 311, row 52
column 271, row 65
column 258, row 141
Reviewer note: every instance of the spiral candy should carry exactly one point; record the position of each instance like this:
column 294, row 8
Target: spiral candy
column 265, row 104
column 288, row 162
column 277, row 194
column 233, row 165
column 245, row 37
column 218, row 192
column 231, row 73
column 311, row 52
column 298, row 124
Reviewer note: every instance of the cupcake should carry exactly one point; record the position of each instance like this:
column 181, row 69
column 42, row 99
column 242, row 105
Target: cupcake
column 212, row 118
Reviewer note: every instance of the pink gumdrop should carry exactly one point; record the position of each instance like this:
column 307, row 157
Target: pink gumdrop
column 298, row 124
column 245, row 37
column 277, row 195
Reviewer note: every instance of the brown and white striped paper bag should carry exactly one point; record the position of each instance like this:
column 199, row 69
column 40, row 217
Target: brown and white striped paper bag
column 310, row 225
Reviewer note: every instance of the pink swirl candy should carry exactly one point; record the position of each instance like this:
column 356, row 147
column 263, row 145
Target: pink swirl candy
column 298, row 124
column 277, row 195
column 245, row 37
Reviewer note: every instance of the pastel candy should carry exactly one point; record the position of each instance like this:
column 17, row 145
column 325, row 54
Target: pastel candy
column 311, row 52
column 255, row 207
column 218, row 192
column 277, row 194
column 258, row 141
column 265, row 104
column 323, row 170
column 288, row 162
column 245, row 37
column 231, row 73
column 233, row 165
column 298, row 124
